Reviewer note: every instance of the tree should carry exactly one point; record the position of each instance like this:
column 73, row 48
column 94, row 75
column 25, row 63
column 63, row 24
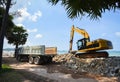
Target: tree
column 93, row 8
column 10, row 23
column 17, row 36
column 3, row 29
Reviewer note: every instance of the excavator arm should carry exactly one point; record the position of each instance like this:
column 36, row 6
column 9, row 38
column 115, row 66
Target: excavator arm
column 80, row 31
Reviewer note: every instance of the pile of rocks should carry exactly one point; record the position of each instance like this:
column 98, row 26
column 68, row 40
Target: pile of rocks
column 103, row 66
column 62, row 58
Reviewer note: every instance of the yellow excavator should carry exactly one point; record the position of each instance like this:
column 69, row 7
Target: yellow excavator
column 87, row 48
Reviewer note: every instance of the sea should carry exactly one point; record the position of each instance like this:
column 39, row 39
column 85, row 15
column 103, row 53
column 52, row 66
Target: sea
column 59, row 52
column 111, row 53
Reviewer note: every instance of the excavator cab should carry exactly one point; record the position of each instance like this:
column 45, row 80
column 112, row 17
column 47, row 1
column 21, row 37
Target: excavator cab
column 81, row 44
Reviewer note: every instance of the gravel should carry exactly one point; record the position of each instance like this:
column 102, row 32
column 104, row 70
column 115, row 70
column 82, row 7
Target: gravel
column 55, row 72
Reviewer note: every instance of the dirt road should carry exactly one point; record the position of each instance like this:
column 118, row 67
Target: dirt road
column 54, row 72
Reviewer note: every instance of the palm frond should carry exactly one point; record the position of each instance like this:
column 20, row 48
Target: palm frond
column 94, row 8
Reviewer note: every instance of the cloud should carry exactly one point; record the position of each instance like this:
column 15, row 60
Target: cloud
column 35, row 16
column 117, row 34
column 38, row 36
column 32, row 30
column 25, row 15
column 104, row 34
column 20, row 25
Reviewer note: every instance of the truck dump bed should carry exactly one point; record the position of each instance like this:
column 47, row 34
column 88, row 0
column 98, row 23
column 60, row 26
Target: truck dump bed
column 50, row 50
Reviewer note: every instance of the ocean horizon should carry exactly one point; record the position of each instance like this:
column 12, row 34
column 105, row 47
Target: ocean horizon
column 111, row 53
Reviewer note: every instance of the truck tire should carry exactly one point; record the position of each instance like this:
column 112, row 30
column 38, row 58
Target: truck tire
column 37, row 60
column 31, row 60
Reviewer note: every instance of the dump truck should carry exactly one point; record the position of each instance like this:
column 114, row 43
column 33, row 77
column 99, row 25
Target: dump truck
column 36, row 54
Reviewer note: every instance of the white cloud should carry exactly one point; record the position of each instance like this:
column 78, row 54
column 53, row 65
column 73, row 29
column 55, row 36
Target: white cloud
column 20, row 25
column 104, row 34
column 38, row 36
column 32, row 30
column 35, row 16
column 25, row 15
column 117, row 34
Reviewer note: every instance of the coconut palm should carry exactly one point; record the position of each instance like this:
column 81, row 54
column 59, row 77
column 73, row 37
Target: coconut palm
column 91, row 8
column 10, row 23
column 3, row 29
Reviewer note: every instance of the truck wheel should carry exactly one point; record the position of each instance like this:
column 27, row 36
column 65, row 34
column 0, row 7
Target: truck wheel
column 31, row 60
column 36, row 60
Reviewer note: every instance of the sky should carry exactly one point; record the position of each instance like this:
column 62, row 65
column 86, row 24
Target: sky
column 50, row 26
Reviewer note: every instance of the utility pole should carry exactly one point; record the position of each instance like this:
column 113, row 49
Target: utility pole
column 3, row 30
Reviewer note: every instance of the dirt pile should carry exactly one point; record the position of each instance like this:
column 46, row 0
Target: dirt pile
column 103, row 66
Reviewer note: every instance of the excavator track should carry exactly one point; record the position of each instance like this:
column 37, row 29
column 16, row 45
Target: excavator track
column 103, row 54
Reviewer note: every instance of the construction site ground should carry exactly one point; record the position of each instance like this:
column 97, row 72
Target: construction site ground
column 53, row 72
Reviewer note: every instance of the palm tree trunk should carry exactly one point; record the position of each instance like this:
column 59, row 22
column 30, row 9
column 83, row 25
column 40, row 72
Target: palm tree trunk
column 3, row 30
column 0, row 2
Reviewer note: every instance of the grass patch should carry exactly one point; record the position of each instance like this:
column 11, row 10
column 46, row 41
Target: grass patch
column 5, row 68
column 8, row 74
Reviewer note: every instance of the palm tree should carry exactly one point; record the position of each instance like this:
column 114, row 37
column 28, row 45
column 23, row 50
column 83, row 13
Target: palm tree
column 10, row 23
column 3, row 30
column 93, row 8
column 17, row 36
